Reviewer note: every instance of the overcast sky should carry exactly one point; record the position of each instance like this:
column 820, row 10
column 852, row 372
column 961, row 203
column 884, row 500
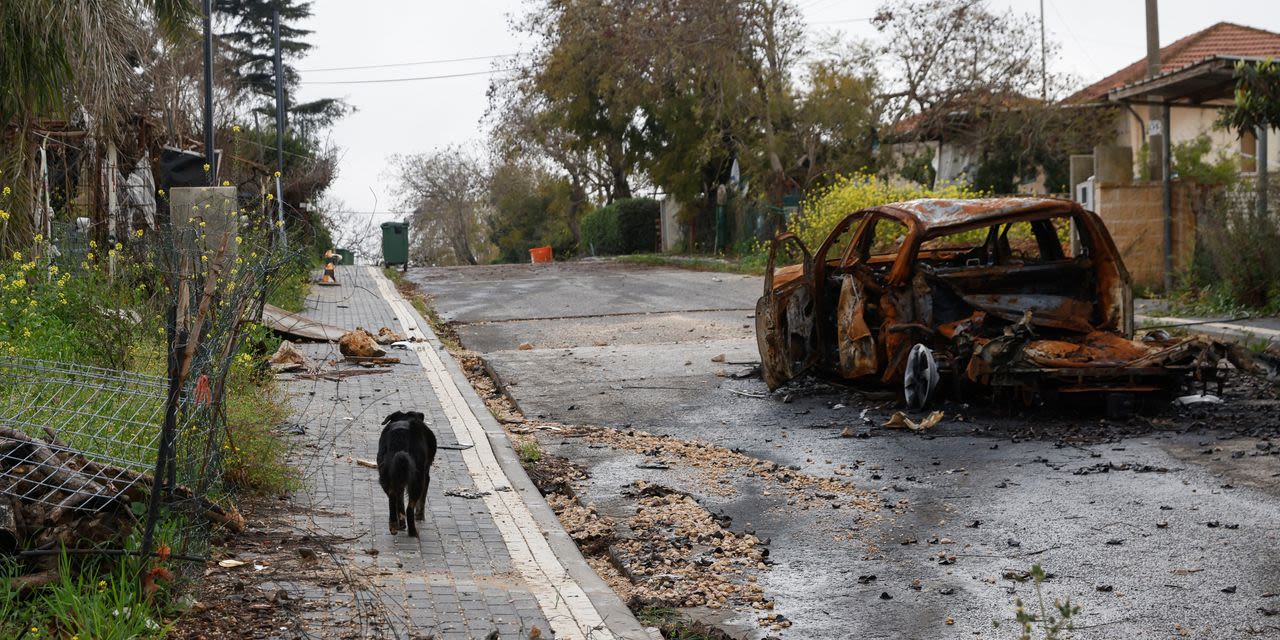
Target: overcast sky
column 1096, row 38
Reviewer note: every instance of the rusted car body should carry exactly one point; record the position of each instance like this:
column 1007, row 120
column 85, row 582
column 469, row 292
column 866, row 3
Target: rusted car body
column 1028, row 294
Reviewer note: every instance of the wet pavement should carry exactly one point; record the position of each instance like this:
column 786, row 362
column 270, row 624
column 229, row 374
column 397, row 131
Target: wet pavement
column 1161, row 526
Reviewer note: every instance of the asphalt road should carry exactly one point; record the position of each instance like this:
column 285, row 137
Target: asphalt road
column 1176, row 539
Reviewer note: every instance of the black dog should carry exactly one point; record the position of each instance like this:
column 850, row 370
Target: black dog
column 406, row 449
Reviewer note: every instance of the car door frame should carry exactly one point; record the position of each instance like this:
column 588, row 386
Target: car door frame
column 786, row 351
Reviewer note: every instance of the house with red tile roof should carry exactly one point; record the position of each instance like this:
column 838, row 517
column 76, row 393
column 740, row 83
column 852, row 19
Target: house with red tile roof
column 1192, row 115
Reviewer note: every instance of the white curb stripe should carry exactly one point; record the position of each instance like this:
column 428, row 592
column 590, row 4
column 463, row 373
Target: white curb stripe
column 567, row 607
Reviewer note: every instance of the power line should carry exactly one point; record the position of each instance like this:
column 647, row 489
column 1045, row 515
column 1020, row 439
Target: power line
column 370, row 213
column 439, row 77
column 841, row 21
column 410, row 64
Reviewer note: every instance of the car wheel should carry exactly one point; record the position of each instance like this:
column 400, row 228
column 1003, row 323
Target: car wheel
column 920, row 378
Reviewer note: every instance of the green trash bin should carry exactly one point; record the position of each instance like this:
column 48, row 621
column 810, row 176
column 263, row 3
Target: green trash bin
column 348, row 258
column 395, row 243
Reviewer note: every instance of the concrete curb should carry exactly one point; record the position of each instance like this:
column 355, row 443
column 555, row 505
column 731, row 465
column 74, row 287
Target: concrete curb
column 1220, row 330
column 617, row 617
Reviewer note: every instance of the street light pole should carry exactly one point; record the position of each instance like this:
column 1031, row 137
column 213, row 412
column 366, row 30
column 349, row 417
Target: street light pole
column 210, row 160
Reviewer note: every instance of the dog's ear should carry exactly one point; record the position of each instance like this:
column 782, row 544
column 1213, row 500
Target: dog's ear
column 393, row 417
column 415, row 415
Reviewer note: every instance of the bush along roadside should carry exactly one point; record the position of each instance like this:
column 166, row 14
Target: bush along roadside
column 624, row 226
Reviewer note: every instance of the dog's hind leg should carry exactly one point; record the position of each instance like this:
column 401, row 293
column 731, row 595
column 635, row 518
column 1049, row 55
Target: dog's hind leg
column 422, row 500
column 413, row 513
column 394, row 506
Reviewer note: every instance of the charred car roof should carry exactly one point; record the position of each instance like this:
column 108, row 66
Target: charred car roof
column 931, row 216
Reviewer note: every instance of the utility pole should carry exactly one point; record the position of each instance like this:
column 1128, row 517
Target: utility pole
column 1044, row 75
column 1159, row 161
column 1261, row 153
column 208, row 94
column 279, row 73
column 1154, row 115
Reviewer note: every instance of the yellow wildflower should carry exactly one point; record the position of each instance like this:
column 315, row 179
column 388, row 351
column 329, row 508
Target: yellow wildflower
column 277, row 174
column 206, row 167
column 271, row 196
column 226, row 183
column 139, row 233
column 17, row 255
column 235, row 128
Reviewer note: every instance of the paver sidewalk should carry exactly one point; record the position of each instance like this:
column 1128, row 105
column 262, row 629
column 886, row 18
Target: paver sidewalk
column 490, row 557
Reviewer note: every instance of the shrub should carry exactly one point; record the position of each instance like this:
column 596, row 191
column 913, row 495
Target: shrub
column 638, row 224
column 601, row 234
column 825, row 208
column 87, row 317
column 1190, row 161
column 1237, row 248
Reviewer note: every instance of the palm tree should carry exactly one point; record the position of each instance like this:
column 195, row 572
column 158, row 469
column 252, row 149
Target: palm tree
column 65, row 58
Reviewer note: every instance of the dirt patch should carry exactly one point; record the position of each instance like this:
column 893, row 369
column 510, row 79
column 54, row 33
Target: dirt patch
column 287, row 575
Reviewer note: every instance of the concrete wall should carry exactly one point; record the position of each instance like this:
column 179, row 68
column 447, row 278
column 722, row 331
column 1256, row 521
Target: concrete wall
column 1134, row 214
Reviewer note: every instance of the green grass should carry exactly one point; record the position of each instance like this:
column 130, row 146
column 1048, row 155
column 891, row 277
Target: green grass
column 256, row 459
column 672, row 625
column 98, row 598
column 751, row 264
column 291, row 290
column 528, row 450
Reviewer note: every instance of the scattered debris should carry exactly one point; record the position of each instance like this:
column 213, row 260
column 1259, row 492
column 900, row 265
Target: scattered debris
column 717, row 464
column 1198, row 399
column 468, row 494
column 297, row 327
column 361, row 344
column 288, row 358
column 718, row 358
column 387, row 336
column 899, row 420
column 525, row 346
column 368, row 464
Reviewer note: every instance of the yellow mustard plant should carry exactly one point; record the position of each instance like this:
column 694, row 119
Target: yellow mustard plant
column 825, row 208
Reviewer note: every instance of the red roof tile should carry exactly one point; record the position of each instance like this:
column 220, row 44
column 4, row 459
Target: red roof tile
column 1222, row 39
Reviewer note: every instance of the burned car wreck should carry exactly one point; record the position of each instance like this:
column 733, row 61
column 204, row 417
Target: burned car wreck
column 1020, row 296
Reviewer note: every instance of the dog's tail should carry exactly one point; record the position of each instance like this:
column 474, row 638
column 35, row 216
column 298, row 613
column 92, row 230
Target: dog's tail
column 402, row 470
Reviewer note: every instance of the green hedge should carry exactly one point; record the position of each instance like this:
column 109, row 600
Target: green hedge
column 624, row 226
column 638, row 223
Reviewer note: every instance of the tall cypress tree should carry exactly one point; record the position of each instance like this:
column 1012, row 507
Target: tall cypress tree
column 248, row 36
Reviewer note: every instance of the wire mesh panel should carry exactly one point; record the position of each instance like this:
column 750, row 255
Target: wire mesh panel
column 90, row 433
